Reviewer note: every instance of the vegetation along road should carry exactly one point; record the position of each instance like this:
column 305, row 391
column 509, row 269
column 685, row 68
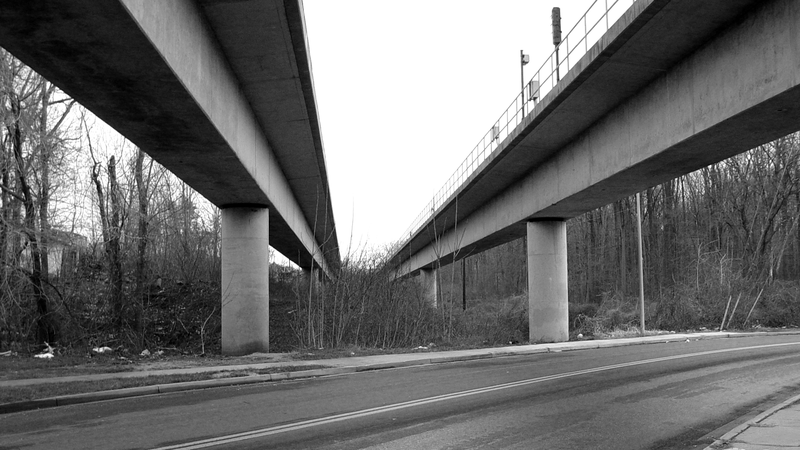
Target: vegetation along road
column 661, row 396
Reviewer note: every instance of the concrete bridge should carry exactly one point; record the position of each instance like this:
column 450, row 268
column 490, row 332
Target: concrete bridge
column 670, row 87
column 219, row 92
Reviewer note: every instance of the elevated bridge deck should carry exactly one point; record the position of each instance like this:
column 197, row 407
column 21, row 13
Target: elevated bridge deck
column 671, row 87
column 219, row 92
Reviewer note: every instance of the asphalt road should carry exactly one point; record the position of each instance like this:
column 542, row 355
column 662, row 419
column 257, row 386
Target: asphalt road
column 658, row 396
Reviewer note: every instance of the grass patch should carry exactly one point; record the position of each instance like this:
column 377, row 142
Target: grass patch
column 460, row 343
column 23, row 367
column 627, row 331
column 20, row 366
column 39, row 391
column 349, row 351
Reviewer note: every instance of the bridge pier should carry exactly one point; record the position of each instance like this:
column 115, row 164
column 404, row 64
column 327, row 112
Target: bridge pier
column 314, row 278
column 548, row 312
column 245, row 280
column 428, row 279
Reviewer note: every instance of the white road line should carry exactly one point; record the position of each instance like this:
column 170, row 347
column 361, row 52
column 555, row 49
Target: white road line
column 233, row 438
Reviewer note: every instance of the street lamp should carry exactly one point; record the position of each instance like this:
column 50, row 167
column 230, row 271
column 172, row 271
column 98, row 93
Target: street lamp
column 556, row 16
column 523, row 60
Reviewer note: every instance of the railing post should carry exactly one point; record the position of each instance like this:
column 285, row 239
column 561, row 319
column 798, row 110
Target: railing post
column 586, row 32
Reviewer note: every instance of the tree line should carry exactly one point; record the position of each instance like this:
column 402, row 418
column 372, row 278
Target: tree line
column 725, row 232
column 94, row 235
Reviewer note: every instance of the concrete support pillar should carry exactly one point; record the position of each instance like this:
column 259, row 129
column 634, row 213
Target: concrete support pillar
column 313, row 278
column 547, row 281
column 245, row 280
column 430, row 287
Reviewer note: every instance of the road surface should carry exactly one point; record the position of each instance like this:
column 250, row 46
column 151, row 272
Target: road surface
column 658, row 396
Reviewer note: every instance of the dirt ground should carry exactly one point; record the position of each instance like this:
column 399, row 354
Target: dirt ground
column 14, row 366
column 17, row 366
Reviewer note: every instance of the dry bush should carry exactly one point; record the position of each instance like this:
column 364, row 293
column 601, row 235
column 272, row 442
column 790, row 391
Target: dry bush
column 778, row 307
column 613, row 313
column 362, row 306
column 679, row 311
column 17, row 321
column 492, row 322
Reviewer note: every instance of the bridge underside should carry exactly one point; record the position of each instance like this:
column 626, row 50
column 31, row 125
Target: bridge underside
column 734, row 89
column 221, row 94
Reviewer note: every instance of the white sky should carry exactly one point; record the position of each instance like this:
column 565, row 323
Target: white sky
column 406, row 89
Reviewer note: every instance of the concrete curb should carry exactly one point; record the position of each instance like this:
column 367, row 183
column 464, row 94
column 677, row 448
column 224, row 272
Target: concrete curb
column 424, row 359
column 731, row 435
column 167, row 388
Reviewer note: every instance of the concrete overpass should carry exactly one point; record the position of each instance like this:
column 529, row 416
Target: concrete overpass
column 219, row 92
column 670, row 87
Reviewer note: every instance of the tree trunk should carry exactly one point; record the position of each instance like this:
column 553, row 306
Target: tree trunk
column 141, row 279
column 45, row 331
column 110, row 226
column 619, row 217
column 44, row 183
column 652, row 238
column 590, row 249
column 5, row 218
column 668, row 232
column 797, row 239
column 113, row 246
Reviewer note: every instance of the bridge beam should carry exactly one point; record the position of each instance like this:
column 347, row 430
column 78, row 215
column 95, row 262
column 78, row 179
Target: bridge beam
column 547, row 281
column 245, row 280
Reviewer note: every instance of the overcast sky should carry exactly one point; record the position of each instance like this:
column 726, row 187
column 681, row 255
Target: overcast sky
column 405, row 90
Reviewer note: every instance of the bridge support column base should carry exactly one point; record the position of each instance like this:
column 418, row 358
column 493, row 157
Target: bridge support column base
column 313, row 280
column 548, row 311
column 430, row 286
column 245, row 280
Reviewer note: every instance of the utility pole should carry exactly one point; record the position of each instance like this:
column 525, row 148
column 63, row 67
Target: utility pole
column 556, row 16
column 641, row 259
column 464, row 284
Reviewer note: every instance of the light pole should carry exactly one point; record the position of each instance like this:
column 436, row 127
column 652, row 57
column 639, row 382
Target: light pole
column 556, row 16
column 523, row 60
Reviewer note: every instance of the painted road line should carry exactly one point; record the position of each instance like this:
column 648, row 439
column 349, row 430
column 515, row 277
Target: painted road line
column 279, row 429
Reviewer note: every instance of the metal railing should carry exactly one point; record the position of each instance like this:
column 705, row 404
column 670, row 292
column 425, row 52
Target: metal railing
column 586, row 32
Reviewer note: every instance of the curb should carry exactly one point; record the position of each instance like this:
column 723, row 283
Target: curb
column 140, row 391
column 731, row 435
column 488, row 354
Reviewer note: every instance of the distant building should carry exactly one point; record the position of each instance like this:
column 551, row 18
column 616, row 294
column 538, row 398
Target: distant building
column 64, row 249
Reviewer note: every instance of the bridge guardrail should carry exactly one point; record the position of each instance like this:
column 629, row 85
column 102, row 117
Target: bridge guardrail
column 576, row 44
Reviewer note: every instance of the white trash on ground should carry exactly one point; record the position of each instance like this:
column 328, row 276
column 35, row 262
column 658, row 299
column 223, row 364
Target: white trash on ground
column 47, row 354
